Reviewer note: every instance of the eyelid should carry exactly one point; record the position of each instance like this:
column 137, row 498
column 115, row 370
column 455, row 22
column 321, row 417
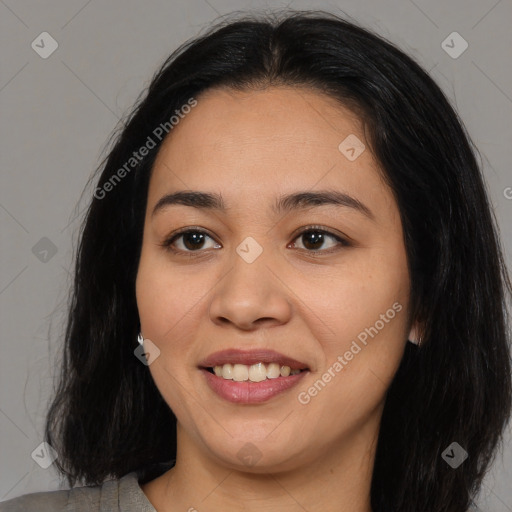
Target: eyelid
column 168, row 241
column 343, row 240
column 323, row 229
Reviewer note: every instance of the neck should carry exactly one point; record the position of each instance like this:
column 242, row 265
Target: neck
column 338, row 479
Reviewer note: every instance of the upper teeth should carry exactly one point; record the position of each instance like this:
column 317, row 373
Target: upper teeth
column 255, row 372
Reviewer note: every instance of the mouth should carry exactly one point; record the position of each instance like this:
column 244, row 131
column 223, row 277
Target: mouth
column 257, row 372
column 249, row 377
column 251, row 365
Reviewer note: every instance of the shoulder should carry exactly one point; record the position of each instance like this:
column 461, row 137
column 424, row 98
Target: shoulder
column 113, row 495
column 40, row 501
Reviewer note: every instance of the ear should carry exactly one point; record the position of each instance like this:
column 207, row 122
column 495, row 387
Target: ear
column 414, row 336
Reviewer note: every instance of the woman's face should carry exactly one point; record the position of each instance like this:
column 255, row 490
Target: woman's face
column 245, row 278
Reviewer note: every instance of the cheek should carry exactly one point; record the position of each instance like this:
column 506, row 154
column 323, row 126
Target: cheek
column 355, row 295
column 165, row 296
column 172, row 302
column 365, row 309
column 166, row 304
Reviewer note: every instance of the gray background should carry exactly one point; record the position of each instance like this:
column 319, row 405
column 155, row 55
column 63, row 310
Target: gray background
column 56, row 116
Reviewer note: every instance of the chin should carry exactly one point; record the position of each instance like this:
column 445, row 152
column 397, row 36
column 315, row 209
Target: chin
column 263, row 456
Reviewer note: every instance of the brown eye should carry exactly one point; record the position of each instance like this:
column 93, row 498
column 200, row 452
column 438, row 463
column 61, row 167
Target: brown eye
column 314, row 240
column 192, row 240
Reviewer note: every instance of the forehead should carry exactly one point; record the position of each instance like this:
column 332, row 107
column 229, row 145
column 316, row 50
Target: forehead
column 252, row 145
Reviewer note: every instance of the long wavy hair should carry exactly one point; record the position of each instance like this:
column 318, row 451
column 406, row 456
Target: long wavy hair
column 107, row 417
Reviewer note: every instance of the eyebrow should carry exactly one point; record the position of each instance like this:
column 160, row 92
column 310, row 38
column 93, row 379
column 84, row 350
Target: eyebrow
column 285, row 203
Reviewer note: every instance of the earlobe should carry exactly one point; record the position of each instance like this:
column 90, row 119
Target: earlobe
column 414, row 336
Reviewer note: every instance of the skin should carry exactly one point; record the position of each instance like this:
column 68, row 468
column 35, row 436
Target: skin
column 251, row 147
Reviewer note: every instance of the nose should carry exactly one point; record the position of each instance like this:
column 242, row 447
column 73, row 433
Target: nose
column 250, row 295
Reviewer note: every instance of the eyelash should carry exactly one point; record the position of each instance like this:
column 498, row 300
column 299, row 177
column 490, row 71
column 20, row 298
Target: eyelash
column 167, row 243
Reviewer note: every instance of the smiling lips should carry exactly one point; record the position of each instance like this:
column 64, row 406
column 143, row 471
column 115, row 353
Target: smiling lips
column 253, row 376
column 250, row 357
column 254, row 373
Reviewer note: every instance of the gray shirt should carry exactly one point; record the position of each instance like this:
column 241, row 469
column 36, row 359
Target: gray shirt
column 123, row 494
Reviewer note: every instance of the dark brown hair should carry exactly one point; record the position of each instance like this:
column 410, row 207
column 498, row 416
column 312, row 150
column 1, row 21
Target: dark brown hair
column 108, row 418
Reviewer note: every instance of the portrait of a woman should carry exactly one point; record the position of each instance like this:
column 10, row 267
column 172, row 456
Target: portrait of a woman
column 289, row 292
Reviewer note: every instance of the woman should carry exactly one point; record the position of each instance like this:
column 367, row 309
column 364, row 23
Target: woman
column 289, row 291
